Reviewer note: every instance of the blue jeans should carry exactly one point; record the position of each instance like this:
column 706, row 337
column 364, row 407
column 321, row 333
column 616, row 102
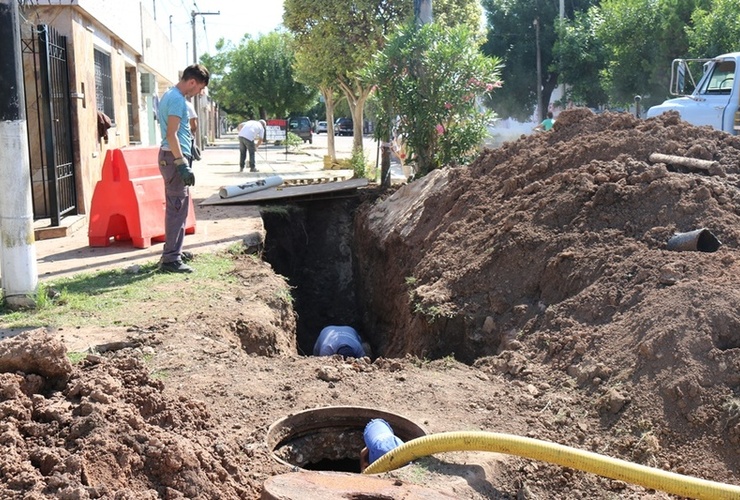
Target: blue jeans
column 244, row 146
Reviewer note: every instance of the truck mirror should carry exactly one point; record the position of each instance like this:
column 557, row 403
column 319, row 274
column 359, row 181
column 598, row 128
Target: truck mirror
column 678, row 77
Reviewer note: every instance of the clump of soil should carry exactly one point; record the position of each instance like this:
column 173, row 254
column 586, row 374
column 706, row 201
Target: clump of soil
column 104, row 428
column 529, row 293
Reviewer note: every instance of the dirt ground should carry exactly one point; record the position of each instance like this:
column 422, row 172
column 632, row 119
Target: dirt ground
column 530, row 293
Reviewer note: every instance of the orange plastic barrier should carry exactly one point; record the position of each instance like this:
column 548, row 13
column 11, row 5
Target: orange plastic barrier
column 128, row 202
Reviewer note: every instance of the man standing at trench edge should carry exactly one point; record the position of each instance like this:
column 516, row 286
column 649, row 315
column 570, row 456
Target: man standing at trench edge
column 174, row 159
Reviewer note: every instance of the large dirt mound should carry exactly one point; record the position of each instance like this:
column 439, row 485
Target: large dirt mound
column 548, row 255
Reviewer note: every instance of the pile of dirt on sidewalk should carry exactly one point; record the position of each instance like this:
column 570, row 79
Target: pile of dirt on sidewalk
column 529, row 293
column 547, row 260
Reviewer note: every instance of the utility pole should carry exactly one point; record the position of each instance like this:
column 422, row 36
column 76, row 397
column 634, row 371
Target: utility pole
column 17, row 247
column 196, row 99
column 423, row 11
column 540, row 112
column 562, row 85
column 193, row 15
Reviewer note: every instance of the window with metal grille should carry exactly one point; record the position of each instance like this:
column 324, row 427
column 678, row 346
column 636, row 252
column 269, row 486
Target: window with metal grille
column 104, row 85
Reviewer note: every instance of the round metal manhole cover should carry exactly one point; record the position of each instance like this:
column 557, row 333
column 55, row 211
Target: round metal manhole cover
column 330, row 438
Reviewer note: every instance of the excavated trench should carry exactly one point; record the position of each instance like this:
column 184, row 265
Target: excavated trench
column 311, row 244
column 314, row 244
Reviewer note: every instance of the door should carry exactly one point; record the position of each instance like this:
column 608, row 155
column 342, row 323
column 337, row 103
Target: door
column 713, row 95
column 48, row 112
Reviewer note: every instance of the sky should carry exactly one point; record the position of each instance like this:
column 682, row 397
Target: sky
column 234, row 19
column 256, row 17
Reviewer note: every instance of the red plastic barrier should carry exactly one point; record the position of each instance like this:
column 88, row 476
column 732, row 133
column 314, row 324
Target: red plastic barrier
column 128, row 202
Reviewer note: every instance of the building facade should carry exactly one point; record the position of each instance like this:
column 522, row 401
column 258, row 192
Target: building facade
column 118, row 62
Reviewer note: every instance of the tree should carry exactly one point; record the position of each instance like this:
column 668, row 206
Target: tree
column 641, row 38
column 511, row 36
column 318, row 69
column 431, row 77
column 581, row 57
column 715, row 30
column 351, row 32
column 256, row 78
column 344, row 35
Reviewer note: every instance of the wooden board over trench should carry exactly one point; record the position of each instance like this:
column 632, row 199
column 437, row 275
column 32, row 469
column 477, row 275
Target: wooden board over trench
column 291, row 193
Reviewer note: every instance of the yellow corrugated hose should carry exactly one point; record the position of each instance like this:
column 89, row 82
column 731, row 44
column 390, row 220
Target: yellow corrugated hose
column 649, row 477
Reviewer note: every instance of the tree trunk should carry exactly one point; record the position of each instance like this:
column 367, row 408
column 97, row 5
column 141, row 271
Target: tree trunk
column 356, row 98
column 328, row 94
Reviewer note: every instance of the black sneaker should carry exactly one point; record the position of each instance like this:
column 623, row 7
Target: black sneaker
column 252, row 169
column 175, row 267
column 186, row 256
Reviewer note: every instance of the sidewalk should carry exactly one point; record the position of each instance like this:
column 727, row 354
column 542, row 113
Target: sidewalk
column 216, row 226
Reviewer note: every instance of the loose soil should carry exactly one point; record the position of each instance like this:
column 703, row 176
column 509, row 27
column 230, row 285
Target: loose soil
column 528, row 293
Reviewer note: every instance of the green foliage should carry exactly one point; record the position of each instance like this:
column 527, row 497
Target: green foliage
column 641, row 38
column 256, row 79
column 580, row 55
column 715, row 30
column 606, row 51
column 431, row 77
column 513, row 37
column 359, row 163
column 293, row 140
column 76, row 357
column 285, row 295
column 334, row 42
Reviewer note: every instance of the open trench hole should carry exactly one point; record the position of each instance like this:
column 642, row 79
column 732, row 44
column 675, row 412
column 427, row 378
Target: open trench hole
column 311, row 244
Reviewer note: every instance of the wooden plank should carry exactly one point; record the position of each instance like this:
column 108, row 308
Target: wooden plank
column 288, row 192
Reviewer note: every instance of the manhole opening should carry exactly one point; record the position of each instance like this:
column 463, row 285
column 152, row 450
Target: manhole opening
column 330, row 439
column 312, row 245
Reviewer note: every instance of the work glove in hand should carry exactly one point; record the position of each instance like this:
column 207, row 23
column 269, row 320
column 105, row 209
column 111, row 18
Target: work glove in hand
column 186, row 173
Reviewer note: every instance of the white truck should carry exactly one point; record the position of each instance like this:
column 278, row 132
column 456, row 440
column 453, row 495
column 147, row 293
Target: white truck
column 713, row 100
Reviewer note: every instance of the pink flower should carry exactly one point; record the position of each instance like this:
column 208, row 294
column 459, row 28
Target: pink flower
column 440, row 129
column 489, row 87
column 448, row 105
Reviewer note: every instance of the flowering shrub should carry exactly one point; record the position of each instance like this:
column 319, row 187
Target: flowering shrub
column 430, row 79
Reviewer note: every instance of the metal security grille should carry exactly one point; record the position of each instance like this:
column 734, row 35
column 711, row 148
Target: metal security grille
column 104, row 85
column 130, row 107
column 49, row 125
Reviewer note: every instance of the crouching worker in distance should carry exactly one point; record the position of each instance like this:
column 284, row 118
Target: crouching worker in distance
column 342, row 340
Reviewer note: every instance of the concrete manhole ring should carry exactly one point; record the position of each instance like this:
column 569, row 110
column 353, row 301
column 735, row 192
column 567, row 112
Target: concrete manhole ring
column 330, row 438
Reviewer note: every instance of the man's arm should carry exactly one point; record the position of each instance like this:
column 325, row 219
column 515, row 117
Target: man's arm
column 173, row 124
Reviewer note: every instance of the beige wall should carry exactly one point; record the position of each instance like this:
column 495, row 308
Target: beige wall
column 128, row 34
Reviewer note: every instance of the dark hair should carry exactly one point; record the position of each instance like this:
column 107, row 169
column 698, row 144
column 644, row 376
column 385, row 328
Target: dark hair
column 197, row 72
column 549, row 114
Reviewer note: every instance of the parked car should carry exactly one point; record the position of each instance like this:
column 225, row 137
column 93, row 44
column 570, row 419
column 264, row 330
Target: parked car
column 343, row 126
column 322, row 128
column 301, row 126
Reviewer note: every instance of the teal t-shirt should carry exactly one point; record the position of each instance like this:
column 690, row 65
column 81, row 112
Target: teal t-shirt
column 173, row 103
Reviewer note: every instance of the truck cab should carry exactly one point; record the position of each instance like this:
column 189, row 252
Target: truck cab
column 713, row 100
